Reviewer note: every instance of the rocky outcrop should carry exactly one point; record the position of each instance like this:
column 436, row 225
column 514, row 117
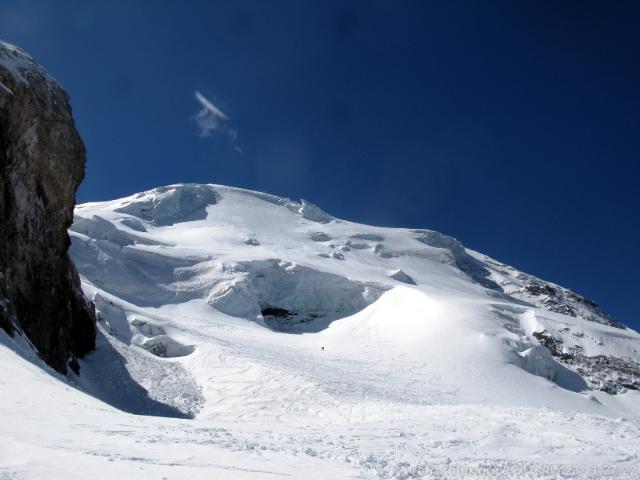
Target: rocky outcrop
column 42, row 161
column 601, row 372
column 534, row 291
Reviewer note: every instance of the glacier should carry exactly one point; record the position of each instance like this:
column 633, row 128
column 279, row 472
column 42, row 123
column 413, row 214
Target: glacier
column 245, row 335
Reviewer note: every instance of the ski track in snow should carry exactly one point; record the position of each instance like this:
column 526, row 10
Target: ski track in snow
column 441, row 379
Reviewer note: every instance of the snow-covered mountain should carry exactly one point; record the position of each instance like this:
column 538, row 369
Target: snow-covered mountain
column 296, row 341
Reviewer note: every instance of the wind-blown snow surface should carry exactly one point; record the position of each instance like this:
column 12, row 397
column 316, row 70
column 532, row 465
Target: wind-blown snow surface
column 306, row 346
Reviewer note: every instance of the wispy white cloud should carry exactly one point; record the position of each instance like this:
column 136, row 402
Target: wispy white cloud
column 211, row 119
column 208, row 108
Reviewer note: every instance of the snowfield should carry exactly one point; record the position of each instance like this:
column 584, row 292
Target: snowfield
column 243, row 335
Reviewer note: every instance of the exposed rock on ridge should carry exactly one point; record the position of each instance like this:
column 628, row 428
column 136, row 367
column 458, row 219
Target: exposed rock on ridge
column 42, row 161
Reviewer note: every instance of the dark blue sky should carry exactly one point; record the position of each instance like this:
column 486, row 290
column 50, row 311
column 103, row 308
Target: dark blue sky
column 513, row 126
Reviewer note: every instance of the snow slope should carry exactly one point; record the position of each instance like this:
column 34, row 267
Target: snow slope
column 20, row 65
column 263, row 336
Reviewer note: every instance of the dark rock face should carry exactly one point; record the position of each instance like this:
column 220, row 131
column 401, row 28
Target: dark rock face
column 562, row 300
column 42, row 161
column 610, row 374
column 532, row 290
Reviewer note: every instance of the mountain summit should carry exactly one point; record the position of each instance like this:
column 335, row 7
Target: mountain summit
column 167, row 268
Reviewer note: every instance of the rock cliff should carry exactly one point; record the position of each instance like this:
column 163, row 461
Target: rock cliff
column 42, row 160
